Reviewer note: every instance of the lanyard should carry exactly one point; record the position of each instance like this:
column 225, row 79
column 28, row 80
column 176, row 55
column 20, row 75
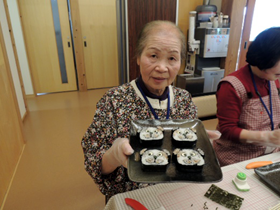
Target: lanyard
column 149, row 104
column 270, row 101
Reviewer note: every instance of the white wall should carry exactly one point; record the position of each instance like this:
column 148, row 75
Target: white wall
column 11, row 58
column 20, row 46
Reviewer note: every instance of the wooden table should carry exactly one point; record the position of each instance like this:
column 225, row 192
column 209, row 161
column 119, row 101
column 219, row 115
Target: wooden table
column 176, row 196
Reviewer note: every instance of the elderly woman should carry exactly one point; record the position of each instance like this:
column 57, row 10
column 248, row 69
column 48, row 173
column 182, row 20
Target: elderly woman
column 160, row 49
column 248, row 103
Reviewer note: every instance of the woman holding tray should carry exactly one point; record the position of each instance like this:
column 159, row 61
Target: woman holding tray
column 160, row 49
column 248, row 103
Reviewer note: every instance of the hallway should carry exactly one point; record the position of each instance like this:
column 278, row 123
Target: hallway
column 50, row 174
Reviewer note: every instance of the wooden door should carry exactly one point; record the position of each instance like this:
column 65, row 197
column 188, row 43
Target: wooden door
column 139, row 13
column 245, row 42
column 99, row 32
column 40, row 39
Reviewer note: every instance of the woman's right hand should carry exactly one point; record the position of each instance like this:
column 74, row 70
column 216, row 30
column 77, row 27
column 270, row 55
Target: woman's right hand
column 116, row 156
column 271, row 137
column 266, row 138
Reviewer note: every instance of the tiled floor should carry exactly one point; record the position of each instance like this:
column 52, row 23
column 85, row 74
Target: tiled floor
column 51, row 174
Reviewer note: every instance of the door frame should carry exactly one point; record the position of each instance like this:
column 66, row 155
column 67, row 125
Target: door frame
column 245, row 42
column 78, row 44
column 16, row 57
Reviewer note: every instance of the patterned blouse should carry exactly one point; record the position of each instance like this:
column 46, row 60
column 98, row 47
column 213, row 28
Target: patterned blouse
column 114, row 113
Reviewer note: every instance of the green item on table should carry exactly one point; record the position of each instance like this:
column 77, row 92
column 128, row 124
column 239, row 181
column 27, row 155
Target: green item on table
column 223, row 197
column 240, row 182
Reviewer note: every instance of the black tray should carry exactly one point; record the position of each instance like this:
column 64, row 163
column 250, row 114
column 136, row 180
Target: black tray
column 270, row 174
column 211, row 171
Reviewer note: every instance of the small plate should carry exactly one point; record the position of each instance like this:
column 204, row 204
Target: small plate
column 270, row 175
column 211, row 171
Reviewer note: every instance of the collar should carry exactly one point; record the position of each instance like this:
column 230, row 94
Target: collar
column 164, row 96
column 157, row 104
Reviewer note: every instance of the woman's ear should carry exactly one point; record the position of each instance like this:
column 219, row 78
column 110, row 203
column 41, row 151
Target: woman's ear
column 138, row 61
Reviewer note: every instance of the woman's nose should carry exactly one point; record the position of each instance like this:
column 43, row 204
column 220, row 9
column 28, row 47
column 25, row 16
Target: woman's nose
column 162, row 66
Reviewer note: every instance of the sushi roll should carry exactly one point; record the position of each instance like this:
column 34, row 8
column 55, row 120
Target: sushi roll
column 188, row 159
column 184, row 138
column 154, row 159
column 151, row 136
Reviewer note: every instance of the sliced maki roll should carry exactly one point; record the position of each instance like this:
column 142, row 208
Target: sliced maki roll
column 154, row 159
column 151, row 136
column 188, row 159
column 184, row 138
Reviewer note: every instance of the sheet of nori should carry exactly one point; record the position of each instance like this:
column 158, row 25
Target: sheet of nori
column 223, row 197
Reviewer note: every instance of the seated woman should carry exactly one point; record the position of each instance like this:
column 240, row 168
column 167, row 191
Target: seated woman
column 160, row 49
column 248, row 104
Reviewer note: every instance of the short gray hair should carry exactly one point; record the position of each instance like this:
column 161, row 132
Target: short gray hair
column 147, row 30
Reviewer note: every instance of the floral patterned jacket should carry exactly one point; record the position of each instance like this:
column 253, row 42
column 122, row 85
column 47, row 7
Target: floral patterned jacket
column 114, row 113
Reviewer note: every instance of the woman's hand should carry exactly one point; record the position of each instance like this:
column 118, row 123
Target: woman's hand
column 271, row 137
column 116, row 156
column 266, row 138
column 213, row 134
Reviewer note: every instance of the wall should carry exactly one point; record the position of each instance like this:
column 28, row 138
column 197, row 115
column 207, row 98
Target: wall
column 12, row 61
column 11, row 133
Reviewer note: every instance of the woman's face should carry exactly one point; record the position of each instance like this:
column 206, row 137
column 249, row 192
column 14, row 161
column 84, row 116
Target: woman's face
column 272, row 73
column 160, row 60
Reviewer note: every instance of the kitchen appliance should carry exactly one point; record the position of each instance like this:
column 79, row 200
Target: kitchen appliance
column 212, row 77
column 206, row 47
column 213, row 42
column 204, row 12
column 213, row 46
column 194, row 84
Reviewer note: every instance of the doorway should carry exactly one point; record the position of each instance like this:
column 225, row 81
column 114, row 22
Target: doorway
column 260, row 15
column 48, row 38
